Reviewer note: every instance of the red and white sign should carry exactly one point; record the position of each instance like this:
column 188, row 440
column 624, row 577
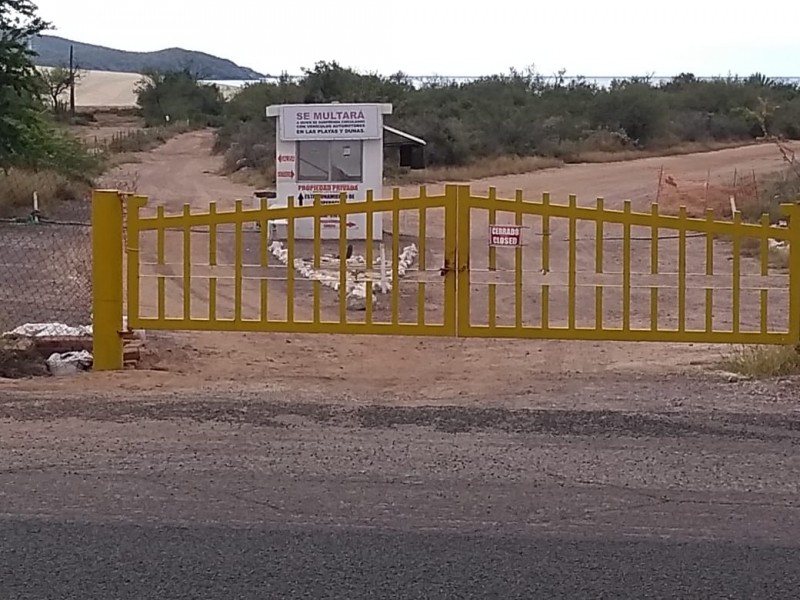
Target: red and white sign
column 331, row 222
column 285, row 174
column 282, row 158
column 505, row 235
column 328, row 187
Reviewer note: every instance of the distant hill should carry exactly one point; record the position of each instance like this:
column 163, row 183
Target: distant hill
column 53, row 51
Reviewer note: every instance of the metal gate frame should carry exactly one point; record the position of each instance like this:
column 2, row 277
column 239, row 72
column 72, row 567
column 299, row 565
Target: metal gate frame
column 115, row 236
column 678, row 226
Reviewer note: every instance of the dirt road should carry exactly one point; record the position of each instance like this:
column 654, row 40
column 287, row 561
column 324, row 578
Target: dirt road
column 183, row 171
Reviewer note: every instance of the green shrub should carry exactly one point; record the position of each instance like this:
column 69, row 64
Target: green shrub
column 165, row 98
column 780, row 187
column 522, row 114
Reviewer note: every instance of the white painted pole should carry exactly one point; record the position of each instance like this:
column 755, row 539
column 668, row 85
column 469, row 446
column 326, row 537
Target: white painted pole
column 384, row 286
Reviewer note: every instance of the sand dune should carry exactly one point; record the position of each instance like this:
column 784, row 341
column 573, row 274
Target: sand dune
column 113, row 90
column 106, row 88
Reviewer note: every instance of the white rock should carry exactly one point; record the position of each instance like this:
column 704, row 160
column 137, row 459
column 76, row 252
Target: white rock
column 356, row 291
column 69, row 363
column 50, row 330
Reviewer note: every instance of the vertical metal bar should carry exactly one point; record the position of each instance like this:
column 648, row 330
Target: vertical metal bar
column 518, row 282
column 737, row 270
column 709, row 271
column 316, row 284
column 626, row 267
column 369, row 257
column 264, row 256
column 395, row 256
column 492, row 201
column 237, row 267
column 212, row 261
column 598, row 265
column 654, row 267
column 573, row 242
column 764, row 271
column 290, row 233
column 132, row 252
column 343, row 218
column 187, row 263
column 793, row 212
column 682, row 269
column 545, row 259
column 423, row 232
column 458, row 213
column 107, row 288
column 160, row 261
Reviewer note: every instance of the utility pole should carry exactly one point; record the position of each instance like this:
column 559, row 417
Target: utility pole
column 71, row 80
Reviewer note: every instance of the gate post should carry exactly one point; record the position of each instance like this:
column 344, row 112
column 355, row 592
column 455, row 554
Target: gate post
column 793, row 212
column 463, row 250
column 107, row 280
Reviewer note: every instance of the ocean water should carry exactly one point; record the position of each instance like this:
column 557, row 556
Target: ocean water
column 420, row 80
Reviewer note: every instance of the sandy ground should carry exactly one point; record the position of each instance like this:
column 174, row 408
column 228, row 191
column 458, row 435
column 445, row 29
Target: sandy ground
column 182, row 171
column 110, row 89
column 106, row 89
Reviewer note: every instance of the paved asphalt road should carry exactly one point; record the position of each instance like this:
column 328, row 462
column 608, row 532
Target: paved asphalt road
column 251, row 498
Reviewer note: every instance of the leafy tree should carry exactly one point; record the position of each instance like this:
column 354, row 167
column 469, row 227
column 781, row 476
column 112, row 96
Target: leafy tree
column 57, row 81
column 21, row 126
column 178, row 96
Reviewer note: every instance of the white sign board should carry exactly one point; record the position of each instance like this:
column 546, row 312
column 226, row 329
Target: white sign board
column 330, row 122
column 353, row 136
column 505, row 235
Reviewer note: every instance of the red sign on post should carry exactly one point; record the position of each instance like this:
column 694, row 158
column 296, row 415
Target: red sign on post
column 505, row 235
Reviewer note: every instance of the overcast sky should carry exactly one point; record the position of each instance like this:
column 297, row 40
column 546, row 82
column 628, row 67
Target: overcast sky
column 444, row 37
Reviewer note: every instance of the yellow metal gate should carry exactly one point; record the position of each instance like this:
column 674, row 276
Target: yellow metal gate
column 449, row 264
column 577, row 272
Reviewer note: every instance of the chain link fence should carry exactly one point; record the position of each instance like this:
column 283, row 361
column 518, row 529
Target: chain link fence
column 45, row 251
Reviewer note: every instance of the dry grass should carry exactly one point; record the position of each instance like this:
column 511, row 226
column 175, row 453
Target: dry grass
column 21, row 363
column 17, row 188
column 779, row 258
column 254, row 177
column 142, row 140
column 490, row 167
column 764, row 361
column 750, row 247
column 677, row 150
column 502, row 165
